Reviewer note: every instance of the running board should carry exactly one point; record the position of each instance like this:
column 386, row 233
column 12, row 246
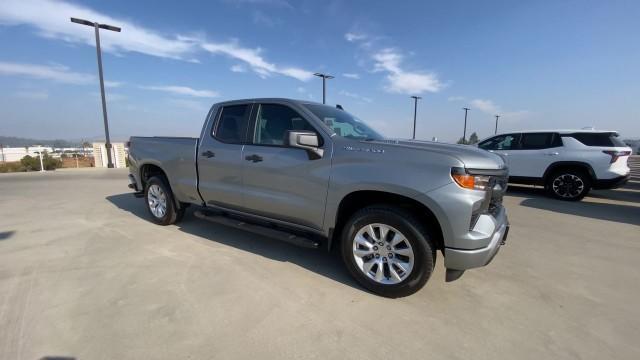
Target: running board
column 269, row 232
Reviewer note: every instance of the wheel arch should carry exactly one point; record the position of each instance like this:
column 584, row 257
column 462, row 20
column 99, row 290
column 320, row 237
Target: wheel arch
column 579, row 165
column 149, row 170
column 359, row 199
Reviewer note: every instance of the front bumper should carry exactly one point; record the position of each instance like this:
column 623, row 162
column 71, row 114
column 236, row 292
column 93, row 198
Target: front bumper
column 463, row 259
column 611, row 183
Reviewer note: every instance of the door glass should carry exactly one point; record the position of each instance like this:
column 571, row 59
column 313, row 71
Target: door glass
column 535, row 141
column 232, row 125
column 502, row 142
column 273, row 121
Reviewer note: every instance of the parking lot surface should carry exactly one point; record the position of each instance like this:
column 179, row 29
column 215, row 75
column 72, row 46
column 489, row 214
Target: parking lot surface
column 84, row 274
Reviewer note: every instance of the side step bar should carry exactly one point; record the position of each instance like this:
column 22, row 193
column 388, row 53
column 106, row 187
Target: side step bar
column 276, row 234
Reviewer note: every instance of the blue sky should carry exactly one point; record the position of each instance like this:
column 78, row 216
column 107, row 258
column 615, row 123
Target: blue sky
column 539, row 64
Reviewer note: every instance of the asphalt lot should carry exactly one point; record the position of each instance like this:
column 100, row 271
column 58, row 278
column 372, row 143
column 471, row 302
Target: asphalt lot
column 84, row 274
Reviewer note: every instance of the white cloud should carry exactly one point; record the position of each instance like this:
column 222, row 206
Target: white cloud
column 188, row 104
column 455, row 98
column 402, row 81
column 58, row 73
column 255, row 61
column 113, row 84
column 133, row 38
column 355, row 96
column 351, row 76
column 52, row 20
column 486, row 106
column 238, row 68
column 353, row 37
column 32, row 94
column 301, row 90
column 183, row 90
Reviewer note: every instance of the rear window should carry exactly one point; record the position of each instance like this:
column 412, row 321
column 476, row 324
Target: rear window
column 598, row 139
column 534, row 141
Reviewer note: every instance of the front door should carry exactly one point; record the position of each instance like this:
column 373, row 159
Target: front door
column 282, row 182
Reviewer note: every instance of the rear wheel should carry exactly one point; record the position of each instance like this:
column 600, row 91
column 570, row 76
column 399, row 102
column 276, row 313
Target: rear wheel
column 160, row 202
column 388, row 251
column 570, row 185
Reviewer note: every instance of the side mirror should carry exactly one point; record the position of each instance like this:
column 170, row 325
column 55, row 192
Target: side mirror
column 307, row 140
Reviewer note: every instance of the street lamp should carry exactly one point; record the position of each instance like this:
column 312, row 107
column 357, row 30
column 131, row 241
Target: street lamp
column 324, row 85
column 97, row 28
column 496, row 131
column 415, row 112
column 464, row 134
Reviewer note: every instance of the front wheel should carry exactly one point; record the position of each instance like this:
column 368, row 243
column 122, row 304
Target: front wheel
column 570, row 185
column 388, row 251
column 160, row 202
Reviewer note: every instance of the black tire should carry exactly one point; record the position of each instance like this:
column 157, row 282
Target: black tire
column 172, row 215
column 568, row 184
column 416, row 234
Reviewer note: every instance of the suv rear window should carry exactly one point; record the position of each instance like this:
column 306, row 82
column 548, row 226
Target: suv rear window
column 534, row 141
column 609, row 139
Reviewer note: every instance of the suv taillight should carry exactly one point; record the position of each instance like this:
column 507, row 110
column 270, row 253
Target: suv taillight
column 615, row 154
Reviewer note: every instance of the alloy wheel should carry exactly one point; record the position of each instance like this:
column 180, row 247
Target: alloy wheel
column 157, row 201
column 568, row 186
column 383, row 253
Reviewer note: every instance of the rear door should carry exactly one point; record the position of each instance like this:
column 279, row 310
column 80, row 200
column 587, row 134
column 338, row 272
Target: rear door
column 534, row 154
column 282, row 182
column 220, row 156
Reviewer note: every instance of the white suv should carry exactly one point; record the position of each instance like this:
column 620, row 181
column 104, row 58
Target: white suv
column 567, row 162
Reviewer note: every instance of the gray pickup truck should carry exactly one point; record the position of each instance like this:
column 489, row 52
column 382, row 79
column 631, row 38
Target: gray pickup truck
column 315, row 175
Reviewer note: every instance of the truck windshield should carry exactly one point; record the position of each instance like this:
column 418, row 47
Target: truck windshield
column 343, row 123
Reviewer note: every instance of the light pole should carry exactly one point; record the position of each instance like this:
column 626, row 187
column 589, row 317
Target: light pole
column 324, row 84
column 415, row 112
column 496, row 131
column 41, row 163
column 464, row 134
column 97, row 28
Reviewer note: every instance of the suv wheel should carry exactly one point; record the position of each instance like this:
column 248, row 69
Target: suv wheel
column 388, row 251
column 570, row 185
column 160, row 202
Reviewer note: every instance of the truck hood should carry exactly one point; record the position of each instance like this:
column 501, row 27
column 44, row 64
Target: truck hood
column 471, row 156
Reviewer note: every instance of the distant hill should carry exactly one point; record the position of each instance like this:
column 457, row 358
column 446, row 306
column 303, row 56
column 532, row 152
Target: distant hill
column 11, row 141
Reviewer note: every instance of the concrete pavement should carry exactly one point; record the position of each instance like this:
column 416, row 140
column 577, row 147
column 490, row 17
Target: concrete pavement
column 84, row 274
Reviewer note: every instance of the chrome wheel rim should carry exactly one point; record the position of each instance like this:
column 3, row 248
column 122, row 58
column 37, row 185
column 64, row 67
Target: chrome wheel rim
column 157, row 200
column 568, row 186
column 383, row 254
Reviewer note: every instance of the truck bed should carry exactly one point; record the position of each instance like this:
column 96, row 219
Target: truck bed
column 176, row 155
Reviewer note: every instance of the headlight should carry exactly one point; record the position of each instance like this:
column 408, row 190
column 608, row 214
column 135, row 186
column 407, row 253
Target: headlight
column 468, row 181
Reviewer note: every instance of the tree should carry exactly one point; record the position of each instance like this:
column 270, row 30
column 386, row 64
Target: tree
column 461, row 141
column 473, row 139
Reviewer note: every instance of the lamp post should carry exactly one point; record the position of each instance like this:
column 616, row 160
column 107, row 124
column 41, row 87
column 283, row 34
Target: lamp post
column 415, row 113
column 464, row 134
column 97, row 28
column 324, row 84
column 496, row 131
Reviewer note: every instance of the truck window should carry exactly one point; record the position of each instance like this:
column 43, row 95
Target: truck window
column 273, row 121
column 232, row 124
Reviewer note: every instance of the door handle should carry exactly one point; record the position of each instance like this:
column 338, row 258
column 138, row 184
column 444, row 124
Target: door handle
column 253, row 158
column 209, row 154
column 552, row 154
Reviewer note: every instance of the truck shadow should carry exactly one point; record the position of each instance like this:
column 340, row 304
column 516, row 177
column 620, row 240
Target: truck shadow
column 622, row 213
column 316, row 260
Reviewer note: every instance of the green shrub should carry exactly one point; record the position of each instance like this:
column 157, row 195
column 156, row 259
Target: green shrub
column 11, row 167
column 30, row 163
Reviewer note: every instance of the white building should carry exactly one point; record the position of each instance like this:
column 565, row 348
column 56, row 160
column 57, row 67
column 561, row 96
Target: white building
column 10, row 154
column 118, row 155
